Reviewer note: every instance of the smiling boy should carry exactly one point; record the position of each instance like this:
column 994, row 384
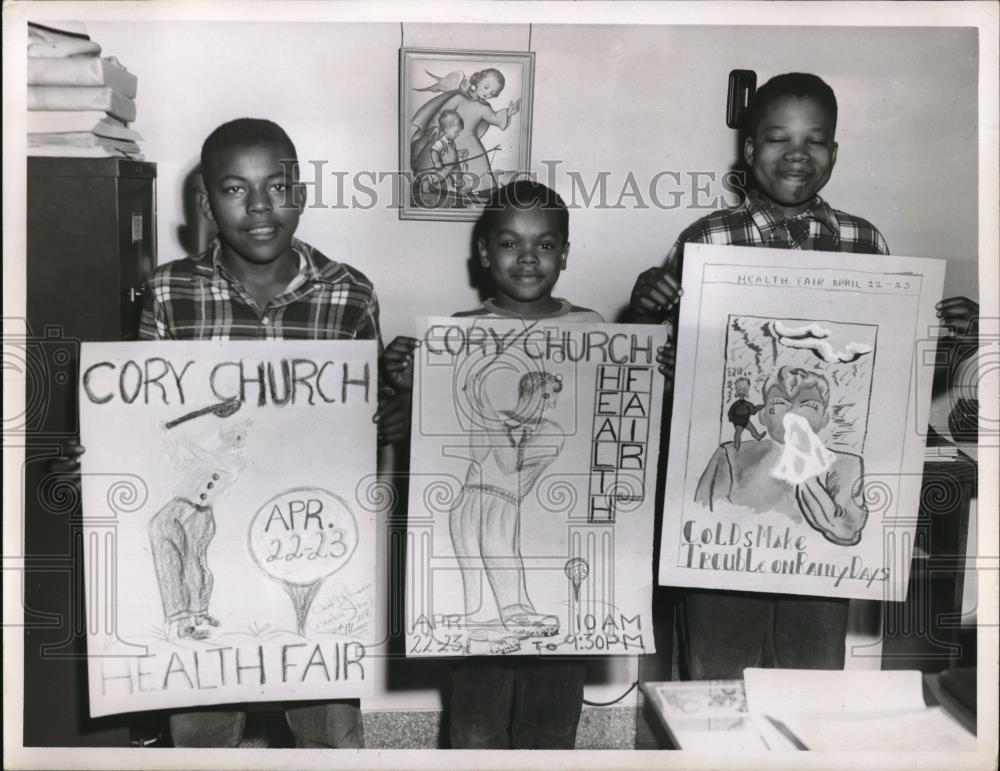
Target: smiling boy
column 523, row 246
column 256, row 207
column 791, row 150
column 522, row 702
column 257, row 282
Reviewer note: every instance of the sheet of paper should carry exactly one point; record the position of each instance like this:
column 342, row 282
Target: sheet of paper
column 787, row 691
column 533, row 474
column 794, row 467
column 930, row 729
column 840, row 710
column 717, row 736
column 229, row 549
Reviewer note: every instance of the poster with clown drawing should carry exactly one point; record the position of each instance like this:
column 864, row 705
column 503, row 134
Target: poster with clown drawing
column 795, row 454
column 229, row 536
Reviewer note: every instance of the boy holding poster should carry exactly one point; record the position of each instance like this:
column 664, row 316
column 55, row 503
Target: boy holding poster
column 791, row 151
column 256, row 282
column 511, row 702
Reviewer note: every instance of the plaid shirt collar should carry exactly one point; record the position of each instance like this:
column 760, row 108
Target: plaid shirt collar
column 314, row 268
column 768, row 218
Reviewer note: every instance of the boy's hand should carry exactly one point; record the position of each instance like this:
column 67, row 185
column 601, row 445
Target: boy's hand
column 68, row 460
column 666, row 357
column 397, row 362
column 960, row 316
column 67, row 466
column 656, row 291
column 393, row 418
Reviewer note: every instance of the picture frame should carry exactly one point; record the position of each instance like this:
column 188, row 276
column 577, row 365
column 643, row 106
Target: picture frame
column 455, row 144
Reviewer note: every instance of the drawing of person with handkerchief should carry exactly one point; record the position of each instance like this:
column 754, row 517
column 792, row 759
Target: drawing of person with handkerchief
column 790, row 470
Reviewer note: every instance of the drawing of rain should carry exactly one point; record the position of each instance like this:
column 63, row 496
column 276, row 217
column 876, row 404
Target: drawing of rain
column 802, row 389
column 844, row 354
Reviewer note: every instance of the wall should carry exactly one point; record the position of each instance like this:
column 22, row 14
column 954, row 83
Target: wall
column 639, row 99
column 653, row 100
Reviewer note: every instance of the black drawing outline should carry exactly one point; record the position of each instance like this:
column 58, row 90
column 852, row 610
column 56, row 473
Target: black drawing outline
column 181, row 531
column 828, row 506
column 490, row 498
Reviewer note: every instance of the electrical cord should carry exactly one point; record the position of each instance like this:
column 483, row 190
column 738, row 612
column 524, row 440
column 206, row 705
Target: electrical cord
column 613, row 701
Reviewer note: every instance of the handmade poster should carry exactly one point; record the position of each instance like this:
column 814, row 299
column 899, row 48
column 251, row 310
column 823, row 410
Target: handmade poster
column 533, row 474
column 795, row 459
column 228, row 558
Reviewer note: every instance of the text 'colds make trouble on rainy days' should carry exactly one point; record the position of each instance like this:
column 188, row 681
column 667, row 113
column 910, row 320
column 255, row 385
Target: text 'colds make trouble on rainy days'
column 160, row 380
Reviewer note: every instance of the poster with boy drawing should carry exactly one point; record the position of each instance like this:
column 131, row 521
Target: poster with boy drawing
column 795, row 459
column 533, row 476
column 227, row 556
column 464, row 128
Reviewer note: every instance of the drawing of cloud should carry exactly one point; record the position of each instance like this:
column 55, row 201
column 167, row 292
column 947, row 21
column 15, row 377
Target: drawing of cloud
column 814, row 331
column 811, row 337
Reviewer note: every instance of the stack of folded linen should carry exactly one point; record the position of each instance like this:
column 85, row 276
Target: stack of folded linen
column 79, row 104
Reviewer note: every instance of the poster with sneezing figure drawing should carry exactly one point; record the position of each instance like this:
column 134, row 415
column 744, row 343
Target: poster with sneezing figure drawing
column 533, row 476
column 795, row 461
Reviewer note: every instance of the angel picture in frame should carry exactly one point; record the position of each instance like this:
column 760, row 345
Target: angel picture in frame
column 465, row 127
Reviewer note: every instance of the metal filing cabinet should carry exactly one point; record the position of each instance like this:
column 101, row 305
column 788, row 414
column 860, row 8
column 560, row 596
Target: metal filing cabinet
column 91, row 244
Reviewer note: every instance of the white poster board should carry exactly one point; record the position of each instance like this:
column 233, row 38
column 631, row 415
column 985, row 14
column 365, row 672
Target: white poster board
column 795, row 454
column 533, row 473
column 227, row 556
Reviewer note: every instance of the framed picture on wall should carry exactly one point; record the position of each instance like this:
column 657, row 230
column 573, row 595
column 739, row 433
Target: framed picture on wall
column 464, row 128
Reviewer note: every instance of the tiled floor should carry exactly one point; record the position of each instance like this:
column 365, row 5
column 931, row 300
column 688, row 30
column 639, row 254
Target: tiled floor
column 601, row 728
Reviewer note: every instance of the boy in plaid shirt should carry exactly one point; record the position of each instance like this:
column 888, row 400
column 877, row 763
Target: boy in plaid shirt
column 257, row 282
column 791, row 151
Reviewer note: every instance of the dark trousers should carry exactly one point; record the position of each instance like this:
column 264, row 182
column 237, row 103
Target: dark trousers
column 516, row 703
column 314, row 724
column 720, row 633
